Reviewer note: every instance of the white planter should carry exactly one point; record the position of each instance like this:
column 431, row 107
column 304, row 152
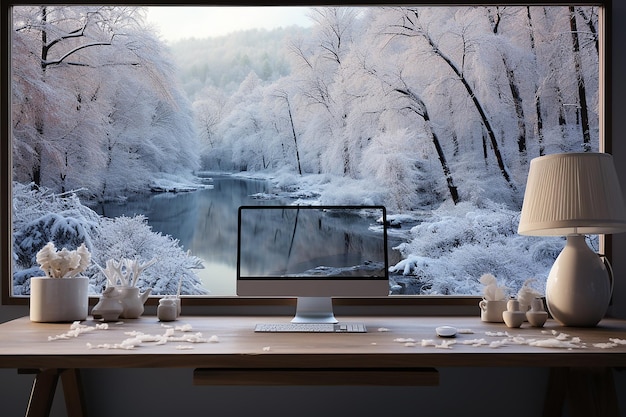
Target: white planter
column 59, row 299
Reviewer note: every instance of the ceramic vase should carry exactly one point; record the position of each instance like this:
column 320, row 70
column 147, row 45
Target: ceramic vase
column 537, row 315
column 59, row 299
column 513, row 317
column 579, row 286
column 491, row 311
column 167, row 309
column 132, row 301
column 109, row 308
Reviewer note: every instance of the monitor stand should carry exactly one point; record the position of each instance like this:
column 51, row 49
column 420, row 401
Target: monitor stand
column 314, row 310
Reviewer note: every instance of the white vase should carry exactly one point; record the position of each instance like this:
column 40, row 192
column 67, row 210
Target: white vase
column 537, row 315
column 109, row 308
column 513, row 317
column 59, row 299
column 579, row 286
column 132, row 301
column 491, row 310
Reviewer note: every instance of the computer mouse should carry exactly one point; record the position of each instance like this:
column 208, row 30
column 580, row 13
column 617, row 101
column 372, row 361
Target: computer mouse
column 446, row 331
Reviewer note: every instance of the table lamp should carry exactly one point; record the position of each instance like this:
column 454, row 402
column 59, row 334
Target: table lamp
column 574, row 194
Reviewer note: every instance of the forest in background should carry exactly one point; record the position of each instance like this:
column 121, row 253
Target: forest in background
column 430, row 107
column 427, row 102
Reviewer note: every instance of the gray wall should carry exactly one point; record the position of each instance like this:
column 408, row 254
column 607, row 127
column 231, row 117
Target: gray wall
column 462, row 392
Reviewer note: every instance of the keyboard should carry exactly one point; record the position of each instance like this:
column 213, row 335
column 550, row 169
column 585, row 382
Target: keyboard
column 310, row 328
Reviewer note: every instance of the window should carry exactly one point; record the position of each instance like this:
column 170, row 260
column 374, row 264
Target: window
column 433, row 111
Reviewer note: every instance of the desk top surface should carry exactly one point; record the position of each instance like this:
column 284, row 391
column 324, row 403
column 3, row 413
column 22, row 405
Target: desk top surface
column 230, row 342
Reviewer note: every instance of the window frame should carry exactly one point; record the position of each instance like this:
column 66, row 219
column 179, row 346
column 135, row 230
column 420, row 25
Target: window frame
column 396, row 304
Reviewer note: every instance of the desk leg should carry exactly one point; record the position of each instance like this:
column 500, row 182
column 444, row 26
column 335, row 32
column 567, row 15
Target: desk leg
column 73, row 392
column 42, row 393
column 590, row 392
column 44, row 388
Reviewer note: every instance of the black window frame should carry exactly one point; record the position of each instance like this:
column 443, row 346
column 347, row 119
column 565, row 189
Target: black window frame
column 440, row 305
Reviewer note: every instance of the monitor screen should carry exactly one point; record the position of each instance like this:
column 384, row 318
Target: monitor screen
column 275, row 256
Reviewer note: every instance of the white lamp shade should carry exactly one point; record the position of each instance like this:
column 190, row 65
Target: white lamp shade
column 572, row 193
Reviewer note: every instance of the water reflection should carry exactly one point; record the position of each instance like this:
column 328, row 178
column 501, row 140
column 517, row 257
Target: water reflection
column 204, row 221
column 312, row 243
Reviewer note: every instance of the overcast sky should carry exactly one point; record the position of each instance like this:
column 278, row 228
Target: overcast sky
column 176, row 23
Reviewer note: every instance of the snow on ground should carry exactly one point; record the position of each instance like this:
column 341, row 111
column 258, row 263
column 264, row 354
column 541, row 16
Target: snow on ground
column 170, row 183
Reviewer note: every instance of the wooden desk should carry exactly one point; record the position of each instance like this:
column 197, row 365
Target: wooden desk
column 391, row 353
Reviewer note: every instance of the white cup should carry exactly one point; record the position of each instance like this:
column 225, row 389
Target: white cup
column 491, row 311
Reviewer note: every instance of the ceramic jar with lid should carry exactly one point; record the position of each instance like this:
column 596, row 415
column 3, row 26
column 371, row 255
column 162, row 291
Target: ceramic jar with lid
column 167, row 309
column 513, row 317
column 537, row 315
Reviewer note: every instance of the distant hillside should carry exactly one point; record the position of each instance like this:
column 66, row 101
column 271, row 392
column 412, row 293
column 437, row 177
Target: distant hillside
column 225, row 61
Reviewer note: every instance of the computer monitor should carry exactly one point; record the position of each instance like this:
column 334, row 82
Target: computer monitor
column 313, row 253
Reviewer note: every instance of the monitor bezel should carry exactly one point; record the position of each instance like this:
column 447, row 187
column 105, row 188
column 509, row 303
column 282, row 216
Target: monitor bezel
column 308, row 286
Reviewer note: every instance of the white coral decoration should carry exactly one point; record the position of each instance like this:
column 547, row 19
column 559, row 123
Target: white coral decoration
column 124, row 272
column 63, row 263
column 492, row 291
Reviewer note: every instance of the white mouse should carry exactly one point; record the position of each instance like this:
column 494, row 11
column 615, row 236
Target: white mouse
column 446, row 331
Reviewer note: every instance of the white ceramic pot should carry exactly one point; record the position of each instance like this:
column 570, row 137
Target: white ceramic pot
column 491, row 311
column 579, row 286
column 59, row 299
column 132, row 301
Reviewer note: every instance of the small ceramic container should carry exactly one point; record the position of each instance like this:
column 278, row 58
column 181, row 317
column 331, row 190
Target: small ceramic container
column 109, row 308
column 59, row 299
column 537, row 315
column 491, row 311
column 513, row 317
column 167, row 309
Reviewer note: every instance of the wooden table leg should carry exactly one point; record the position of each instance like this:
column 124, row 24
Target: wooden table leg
column 44, row 388
column 42, row 393
column 556, row 392
column 73, row 392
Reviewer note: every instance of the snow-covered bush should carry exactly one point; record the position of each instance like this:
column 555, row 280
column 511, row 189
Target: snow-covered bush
column 40, row 216
column 450, row 252
column 133, row 238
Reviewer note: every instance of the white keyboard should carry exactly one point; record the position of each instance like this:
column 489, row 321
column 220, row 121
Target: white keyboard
column 310, row 328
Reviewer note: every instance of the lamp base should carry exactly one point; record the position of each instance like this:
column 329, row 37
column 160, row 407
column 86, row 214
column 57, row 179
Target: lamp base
column 579, row 287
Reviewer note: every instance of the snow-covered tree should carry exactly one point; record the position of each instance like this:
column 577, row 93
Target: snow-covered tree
column 78, row 68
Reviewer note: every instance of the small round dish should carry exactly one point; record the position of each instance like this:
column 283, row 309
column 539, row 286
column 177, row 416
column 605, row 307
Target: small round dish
column 446, row 331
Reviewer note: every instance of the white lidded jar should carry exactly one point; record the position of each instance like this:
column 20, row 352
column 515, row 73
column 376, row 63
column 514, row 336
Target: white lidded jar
column 167, row 309
column 513, row 317
column 537, row 315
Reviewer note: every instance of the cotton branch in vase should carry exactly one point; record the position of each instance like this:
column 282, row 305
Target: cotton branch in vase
column 63, row 263
column 125, row 272
column 492, row 291
column 527, row 294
